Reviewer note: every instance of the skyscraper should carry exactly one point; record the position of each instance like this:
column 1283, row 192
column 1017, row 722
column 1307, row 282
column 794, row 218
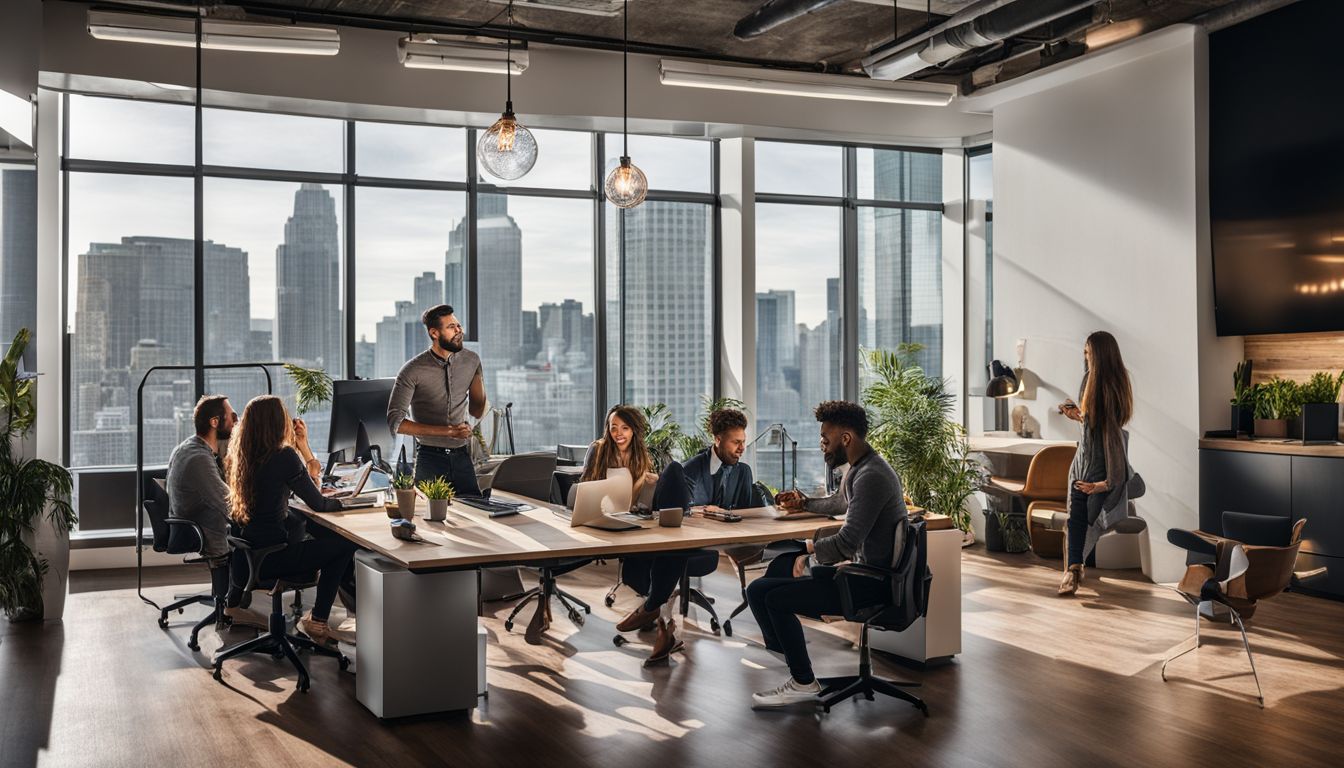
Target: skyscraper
column 428, row 291
column 308, row 283
column 499, row 262
column 390, row 352
column 907, row 271
column 18, row 253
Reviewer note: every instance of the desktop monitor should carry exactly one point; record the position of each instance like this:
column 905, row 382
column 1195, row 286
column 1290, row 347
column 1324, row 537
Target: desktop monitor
column 359, row 418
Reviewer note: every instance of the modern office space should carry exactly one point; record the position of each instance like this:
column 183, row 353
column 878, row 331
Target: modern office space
column 580, row 382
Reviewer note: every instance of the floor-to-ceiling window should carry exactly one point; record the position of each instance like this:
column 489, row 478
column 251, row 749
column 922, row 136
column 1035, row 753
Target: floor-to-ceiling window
column 18, row 254
column 979, row 278
column 848, row 259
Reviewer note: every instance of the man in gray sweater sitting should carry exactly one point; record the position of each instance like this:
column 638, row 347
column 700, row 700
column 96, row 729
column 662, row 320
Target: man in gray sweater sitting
column 875, row 522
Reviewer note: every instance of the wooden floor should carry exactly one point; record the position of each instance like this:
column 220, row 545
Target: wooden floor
column 1041, row 682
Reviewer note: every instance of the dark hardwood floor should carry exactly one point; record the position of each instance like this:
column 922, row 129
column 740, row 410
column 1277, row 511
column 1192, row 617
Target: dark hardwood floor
column 1040, row 682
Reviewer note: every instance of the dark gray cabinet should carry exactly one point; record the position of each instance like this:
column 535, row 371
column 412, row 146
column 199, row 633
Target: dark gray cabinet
column 1310, row 487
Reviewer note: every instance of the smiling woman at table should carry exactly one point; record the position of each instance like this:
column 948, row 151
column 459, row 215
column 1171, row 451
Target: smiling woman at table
column 262, row 469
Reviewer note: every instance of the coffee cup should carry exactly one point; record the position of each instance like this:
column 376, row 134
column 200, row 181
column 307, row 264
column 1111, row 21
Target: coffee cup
column 670, row 517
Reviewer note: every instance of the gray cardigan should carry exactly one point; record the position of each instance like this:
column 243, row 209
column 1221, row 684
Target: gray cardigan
column 870, row 497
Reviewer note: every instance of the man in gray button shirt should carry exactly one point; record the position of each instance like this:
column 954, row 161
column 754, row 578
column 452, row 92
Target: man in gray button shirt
column 196, row 488
column 434, row 392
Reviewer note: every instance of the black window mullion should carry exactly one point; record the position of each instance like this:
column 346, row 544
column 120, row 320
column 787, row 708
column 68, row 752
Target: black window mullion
column 849, row 281
column 716, row 294
column 473, row 190
column 600, row 372
column 351, row 287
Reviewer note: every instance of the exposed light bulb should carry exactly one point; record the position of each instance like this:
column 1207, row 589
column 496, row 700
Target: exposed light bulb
column 508, row 150
column 626, row 185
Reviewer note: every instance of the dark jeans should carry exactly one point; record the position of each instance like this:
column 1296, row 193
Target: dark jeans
column 1078, row 526
column 455, row 466
column 327, row 552
column 777, row 599
column 656, row 576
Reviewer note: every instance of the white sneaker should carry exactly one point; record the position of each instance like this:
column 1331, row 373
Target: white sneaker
column 791, row 692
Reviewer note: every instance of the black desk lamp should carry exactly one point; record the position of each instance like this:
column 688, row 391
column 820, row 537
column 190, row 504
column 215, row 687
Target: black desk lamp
column 1003, row 384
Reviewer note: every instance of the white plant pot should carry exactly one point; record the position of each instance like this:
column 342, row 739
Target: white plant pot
column 50, row 545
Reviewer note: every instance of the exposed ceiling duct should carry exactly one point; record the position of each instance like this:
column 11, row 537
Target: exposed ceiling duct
column 989, row 23
column 774, row 13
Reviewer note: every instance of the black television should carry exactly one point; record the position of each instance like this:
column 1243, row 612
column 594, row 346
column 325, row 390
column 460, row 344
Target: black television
column 1276, row 171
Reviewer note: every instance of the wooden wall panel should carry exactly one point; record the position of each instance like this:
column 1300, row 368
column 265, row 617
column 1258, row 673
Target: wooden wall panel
column 1295, row 355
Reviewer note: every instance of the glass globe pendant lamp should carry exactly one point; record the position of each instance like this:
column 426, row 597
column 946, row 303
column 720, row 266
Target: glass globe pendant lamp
column 626, row 185
column 507, row 150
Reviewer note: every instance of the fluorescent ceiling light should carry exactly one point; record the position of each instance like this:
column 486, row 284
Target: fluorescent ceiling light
column 585, row 7
column 215, row 34
column 461, row 54
column 754, row 80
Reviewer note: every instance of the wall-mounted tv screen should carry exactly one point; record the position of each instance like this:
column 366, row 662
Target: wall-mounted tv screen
column 1276, row 171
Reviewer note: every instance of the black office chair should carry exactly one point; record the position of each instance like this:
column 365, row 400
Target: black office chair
column 526, row 474
column 177, row 536
column 276, row 640
column 888, row 599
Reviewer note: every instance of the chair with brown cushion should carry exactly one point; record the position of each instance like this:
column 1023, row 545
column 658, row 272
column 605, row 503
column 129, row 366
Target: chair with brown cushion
column 1047, row 481
column 1252, row 561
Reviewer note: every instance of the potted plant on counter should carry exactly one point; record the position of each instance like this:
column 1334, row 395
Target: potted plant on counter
column 404, row 485
column 1276, row 402
column 1243, row 399
column 440, row 494
column 1320, row 407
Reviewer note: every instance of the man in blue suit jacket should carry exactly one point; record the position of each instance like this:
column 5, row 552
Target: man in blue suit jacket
column 716, row 477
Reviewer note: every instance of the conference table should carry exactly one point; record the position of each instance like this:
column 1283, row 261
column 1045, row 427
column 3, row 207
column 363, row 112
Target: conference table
column 418, row 642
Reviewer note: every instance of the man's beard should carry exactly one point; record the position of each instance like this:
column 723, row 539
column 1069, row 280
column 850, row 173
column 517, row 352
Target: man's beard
column 449, row 345
column 727, row 458
column 835, row 459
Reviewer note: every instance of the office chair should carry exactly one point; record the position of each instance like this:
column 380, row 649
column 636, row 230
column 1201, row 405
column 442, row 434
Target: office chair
column 276, row 640
column 1253, row 560
column 887, row 599
column 526, row 474
column 177, row 536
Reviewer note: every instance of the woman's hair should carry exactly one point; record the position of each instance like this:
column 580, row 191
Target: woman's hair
column 609, row 454
column 264, row 430
column 1107, row 402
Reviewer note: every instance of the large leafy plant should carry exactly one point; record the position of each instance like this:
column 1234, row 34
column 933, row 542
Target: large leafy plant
column 1278, row 399
column 1323, row 387
column 29, row 489
column 914, row 432
column 664, row 435
column 312, row 387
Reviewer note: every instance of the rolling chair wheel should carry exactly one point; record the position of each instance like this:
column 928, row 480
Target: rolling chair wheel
column 619, row 641
column 194, row 646
column 181, row 610
column 343, row 663
column 586, row 609
column 609, row 600
column 218, row 675
column 303, row 686
column 163, row 622
column 727, row 629
column 576, row 618
column 714, row 626
column 508, row 626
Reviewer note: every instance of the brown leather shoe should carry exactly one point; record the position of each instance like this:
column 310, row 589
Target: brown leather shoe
column 665, row 644
column 1072, row 578
column 638, row 619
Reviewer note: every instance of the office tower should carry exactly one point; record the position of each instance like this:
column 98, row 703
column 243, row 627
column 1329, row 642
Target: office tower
column 499, row 260
column 428, row 291
column 18, row 254
column 667, row 289
column 561, row 328
column 776, row 334
column 308, row 283
column 531, row 335
column 261, row 345
column 365, row 358
column 392, row 339
column 907, row 270
column 455, row 273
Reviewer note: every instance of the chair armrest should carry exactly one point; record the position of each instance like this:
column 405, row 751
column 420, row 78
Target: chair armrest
column 191, row 525
column 869, row 573
column 255, row 557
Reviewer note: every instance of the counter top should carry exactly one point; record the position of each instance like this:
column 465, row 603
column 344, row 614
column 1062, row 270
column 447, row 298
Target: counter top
column 1285, row 447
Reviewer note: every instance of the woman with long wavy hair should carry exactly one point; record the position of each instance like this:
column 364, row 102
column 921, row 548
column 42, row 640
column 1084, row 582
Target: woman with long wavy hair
column 263, row 468
column 1100, row 465
column 654, row 576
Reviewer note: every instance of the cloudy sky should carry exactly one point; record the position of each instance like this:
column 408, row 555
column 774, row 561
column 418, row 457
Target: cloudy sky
column 401, row 233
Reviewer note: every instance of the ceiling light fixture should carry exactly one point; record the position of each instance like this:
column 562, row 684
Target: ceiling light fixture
column 626, row 185
column 460, row 54
column 507, row 150
column 215, row 34
column 808, row 85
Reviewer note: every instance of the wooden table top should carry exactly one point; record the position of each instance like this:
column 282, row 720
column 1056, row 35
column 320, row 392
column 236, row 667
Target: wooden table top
column 1286, row 447
column 471, row 538
column 1026, row 446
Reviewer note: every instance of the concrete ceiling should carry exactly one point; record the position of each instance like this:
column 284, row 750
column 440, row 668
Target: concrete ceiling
column 832, row 38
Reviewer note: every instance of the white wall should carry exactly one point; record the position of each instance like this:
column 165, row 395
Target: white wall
column 1099, row 225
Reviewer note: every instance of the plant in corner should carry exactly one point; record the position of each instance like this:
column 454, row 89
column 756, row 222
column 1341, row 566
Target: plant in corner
column 914, row 433
column 1320, row 407
column 29, row 490
column 1244, row 395
column 312, row 387
column 1276, row 402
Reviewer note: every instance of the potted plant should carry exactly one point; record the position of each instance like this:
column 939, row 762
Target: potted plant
column 404, row 486
column 914, row 433
column 30, row 490
column 1243, row 399
column 1320, row 407
column 1276, row 402
column 439, row 492
column 663, row 436
column 312, row 387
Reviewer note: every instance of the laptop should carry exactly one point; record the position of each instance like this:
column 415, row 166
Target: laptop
column 605, row 503
column 368, row 480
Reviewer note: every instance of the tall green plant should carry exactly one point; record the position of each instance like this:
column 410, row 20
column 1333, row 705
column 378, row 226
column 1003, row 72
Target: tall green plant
column 1323, row 387
column 914, row 433
column 28, row 488
column 663, row 437
column 1243, row 391
column 312, row 387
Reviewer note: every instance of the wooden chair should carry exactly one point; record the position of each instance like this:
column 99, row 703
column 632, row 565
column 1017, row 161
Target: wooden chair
column 1047, row 481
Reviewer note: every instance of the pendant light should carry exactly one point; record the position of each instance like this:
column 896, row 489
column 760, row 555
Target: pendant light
column 507, row 150
column 626, row 185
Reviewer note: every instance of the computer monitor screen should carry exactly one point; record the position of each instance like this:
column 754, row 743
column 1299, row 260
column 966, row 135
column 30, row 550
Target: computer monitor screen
column 360, row 403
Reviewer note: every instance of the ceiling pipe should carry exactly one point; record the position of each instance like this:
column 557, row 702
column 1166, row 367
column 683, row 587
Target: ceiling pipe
column 1235, row 13
column 986, row 28
column 775, row 13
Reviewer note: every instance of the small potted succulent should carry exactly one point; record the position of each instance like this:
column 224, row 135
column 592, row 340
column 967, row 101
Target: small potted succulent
column 1276, row 403
column 1320, row 407
column 404, row 485
column 1243, row 399
column 440, row 494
